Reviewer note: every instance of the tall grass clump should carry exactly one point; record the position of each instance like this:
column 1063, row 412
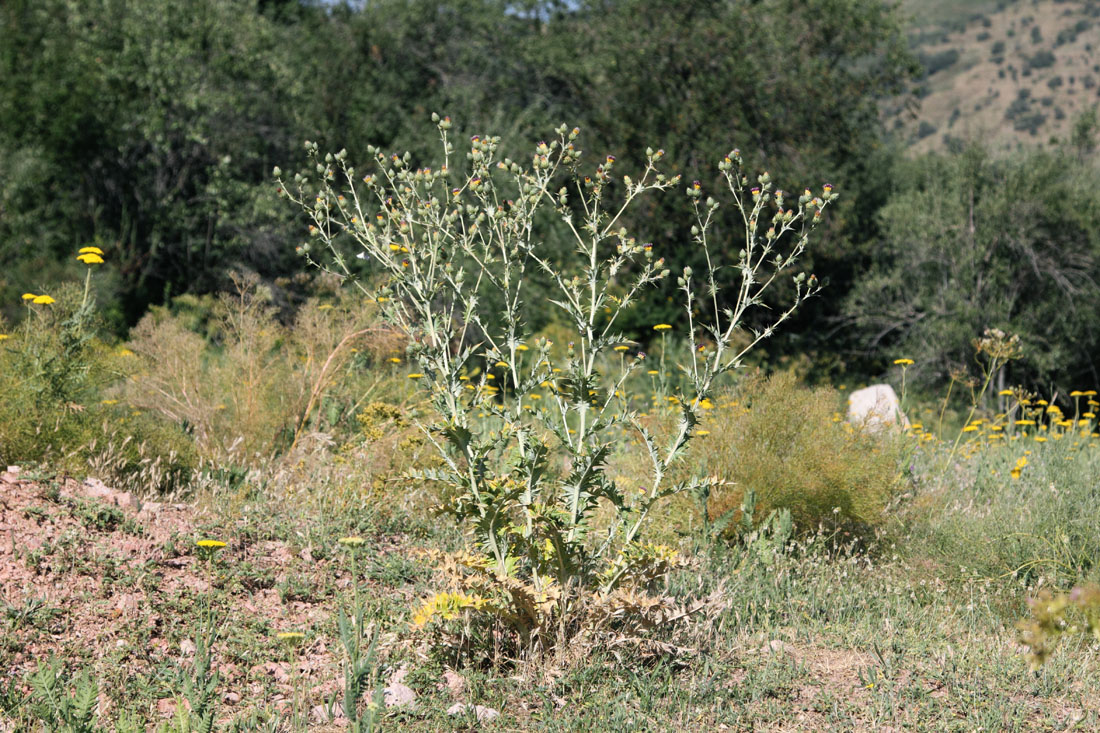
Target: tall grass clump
column 783, row 446
column 254, row 388
column 527, row 474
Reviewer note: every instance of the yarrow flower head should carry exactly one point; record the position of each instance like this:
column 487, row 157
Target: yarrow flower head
column 662, row 327
column 43, row 300
column 291, row 637
column 90, row 258
column 352, row 542
column 903, row 362
column 210, row 544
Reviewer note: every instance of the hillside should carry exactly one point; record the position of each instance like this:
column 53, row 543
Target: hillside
column 1009, row 73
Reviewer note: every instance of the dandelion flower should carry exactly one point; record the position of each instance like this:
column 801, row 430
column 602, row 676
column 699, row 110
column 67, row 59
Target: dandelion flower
column 1006, row 393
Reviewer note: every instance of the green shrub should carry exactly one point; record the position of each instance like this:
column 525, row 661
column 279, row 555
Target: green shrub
column 52, row 369
column 788, row 444
column 54, row 374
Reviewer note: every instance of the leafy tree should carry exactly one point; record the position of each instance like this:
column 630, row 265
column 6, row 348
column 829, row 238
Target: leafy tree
column 971, row 242
column 148, row 128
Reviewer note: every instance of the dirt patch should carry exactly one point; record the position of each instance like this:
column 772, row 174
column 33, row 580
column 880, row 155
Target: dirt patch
column 115, row 586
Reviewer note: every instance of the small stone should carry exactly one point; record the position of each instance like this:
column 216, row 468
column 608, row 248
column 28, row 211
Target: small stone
column 481, row 712
column 398, row 695
column 232, row 698
column 453, row 682
column 778, row 647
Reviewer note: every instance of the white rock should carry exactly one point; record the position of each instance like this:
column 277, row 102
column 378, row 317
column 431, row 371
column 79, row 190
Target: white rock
column 397, row 695
column 480, row 711
column 875, row 407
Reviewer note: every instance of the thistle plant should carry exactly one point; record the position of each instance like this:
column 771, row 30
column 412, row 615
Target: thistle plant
column 525, row 427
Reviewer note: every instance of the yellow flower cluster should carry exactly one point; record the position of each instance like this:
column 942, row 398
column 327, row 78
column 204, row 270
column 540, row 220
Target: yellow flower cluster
column 90, row 255
column 446, row 606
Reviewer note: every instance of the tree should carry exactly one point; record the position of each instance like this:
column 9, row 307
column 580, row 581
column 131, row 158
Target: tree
column 973, row 242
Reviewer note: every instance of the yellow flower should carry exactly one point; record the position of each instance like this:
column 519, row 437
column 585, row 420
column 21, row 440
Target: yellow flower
column 29, row 296
column 903, row 362
column 702, row 432
column 1006, row 393
column 662, row 327
column 90, row 258
column 1040, row 439
column 210, row 544
column 3, row 336
column 970, row 428
column 90, row 251
column 43, row 300
column 621, row 348
column 415, row 375
column 1025, row 422
column 652, row 372
column 325, row 307
column 351, row 542
column 292, row 637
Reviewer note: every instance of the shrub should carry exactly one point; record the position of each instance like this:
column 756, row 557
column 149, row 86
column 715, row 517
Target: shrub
column 54, row 374
column 252, row 390
column 1041, row 60
column 786, row 443
column 935, row 62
